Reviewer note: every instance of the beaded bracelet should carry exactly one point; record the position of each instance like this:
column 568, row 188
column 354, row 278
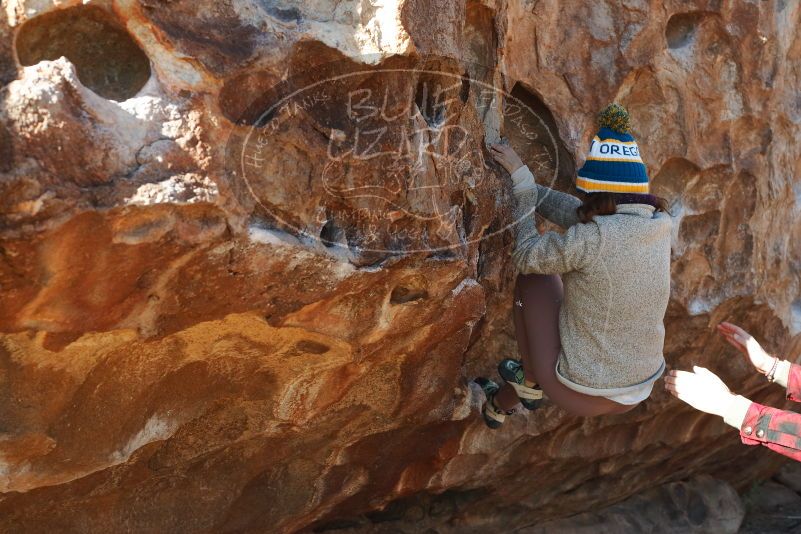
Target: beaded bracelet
column 770, row 375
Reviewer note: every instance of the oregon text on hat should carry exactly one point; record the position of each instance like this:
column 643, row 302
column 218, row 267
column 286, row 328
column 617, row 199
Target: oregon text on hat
column 614, row 150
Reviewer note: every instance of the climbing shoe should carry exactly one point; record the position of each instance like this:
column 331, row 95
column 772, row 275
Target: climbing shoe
column 493, row 416
column 511, row 371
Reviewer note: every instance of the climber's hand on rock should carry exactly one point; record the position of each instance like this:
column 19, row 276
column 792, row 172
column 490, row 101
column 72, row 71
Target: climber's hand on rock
column 506, row 157
column 701, row 389
column 745, row 343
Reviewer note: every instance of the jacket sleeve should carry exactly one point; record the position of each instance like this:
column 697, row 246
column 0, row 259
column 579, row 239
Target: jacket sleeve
column 789, row 375
column 778, row 430
column 557, row 207
column 551, row 253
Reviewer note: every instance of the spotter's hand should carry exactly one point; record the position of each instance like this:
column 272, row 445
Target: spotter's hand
column 701, row 389
column 750, row 347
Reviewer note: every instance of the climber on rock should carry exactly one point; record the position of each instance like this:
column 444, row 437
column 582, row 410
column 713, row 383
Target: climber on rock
column 589, row 302
column 779, row 430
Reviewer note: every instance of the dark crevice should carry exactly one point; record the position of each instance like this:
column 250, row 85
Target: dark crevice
column 532, row 131
column 311, row 347
column 428, row 102
column 6, row 150
column 489, row 247
column 681, row 29
column 285, row 14
column 447, row 254
column 464, row 94
column 402, row 294
column 107, row 59
column 331, row 234
column 8, row 64
column 439, row 88
column 468, row 214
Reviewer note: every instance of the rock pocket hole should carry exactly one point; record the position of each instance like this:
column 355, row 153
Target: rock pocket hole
column 672, row 179
column 331, row 234
column 403, row 294
column 108, row 61
column 530, row 125
column 681, row 29
column 311, row 347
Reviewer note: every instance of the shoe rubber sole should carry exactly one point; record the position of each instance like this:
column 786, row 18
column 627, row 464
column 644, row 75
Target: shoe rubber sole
column 490, row 389
column 511, row 370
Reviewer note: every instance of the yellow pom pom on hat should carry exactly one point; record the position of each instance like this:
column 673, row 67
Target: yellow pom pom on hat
column 613, row 163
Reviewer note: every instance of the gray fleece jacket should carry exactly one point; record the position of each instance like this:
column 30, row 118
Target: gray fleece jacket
column 616, row 276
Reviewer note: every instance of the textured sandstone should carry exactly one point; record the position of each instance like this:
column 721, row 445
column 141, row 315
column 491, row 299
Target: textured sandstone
column 187, row 348
column 699, row 505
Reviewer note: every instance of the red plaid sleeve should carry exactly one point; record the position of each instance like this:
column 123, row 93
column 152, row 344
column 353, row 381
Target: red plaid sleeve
column 794, row 383
column 778, row 430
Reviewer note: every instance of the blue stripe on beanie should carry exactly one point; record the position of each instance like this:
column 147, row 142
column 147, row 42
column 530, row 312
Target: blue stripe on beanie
column 615, row 171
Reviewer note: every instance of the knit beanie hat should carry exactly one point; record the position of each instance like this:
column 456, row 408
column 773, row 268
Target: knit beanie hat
column 613, row 164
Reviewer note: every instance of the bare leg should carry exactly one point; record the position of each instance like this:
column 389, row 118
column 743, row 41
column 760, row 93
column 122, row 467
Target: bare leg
column 537, row 331
column 506, row 398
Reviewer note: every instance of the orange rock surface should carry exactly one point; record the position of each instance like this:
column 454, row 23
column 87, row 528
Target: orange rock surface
column 222, row 314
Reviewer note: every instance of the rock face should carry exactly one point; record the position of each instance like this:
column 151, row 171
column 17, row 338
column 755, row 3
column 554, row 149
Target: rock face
column 251, row 253
column 702, row 504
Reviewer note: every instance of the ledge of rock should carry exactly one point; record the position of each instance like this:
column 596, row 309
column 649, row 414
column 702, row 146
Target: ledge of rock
column 251, row 255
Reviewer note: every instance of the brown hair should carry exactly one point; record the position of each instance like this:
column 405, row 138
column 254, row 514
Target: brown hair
column 606, row 203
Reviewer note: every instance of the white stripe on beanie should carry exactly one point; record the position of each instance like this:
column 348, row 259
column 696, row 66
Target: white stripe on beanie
column 613, row 150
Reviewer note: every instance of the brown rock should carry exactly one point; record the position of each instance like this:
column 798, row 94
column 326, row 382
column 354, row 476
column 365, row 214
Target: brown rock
column 701, row 504
column 245, row 288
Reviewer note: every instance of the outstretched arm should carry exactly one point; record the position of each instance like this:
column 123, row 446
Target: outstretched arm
column 780, row 371
column 557, row 207
column 778, row 430
column 550, row 253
